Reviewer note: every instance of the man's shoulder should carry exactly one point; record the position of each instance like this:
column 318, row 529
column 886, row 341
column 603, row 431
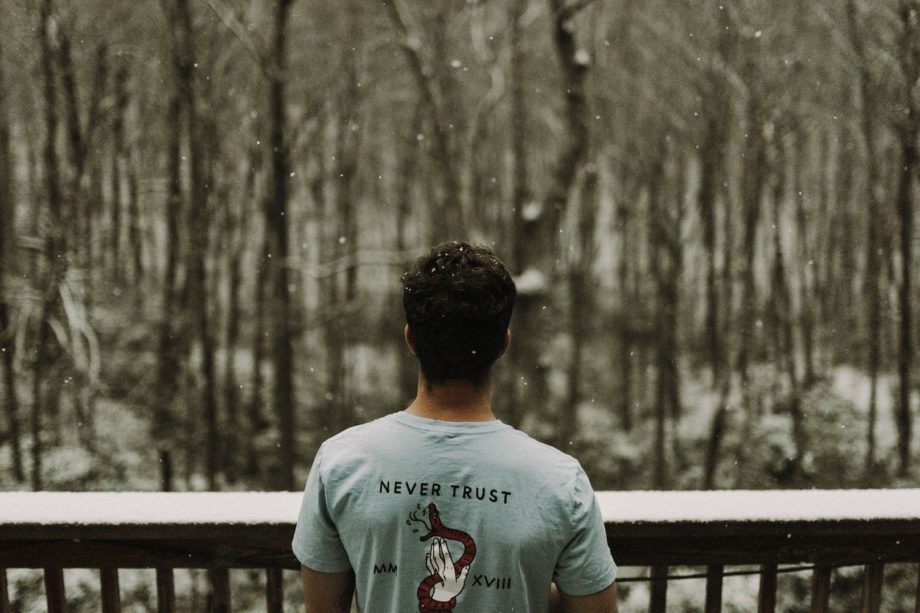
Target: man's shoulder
column 356, row 435
column 387, row 439
column 523, row 443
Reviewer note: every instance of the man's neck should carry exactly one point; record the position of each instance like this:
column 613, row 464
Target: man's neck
column 455, row 400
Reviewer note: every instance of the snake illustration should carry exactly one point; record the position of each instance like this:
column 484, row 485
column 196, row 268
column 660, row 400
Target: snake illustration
column 426, row 602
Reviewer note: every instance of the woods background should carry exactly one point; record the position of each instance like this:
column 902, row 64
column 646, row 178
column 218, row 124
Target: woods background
column 206, row 206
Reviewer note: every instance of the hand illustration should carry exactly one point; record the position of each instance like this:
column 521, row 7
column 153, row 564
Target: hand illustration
column 440, row 563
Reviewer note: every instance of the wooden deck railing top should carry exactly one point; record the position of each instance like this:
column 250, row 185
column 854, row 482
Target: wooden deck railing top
column 223, row 530
column 626, row 507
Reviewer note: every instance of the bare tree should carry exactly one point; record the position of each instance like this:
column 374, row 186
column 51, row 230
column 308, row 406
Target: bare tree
column 236, row 220
column 713, row 170
column 341, row 288
column 665, row 219
column 55, row 246
column 7, row 252
column 908, row 128
column 277, row 227
column 407, row 173
column 873, row 205
column 581, row 300
column 450, row 219
column 752, row 189
column 715, row 108
column 169, row 333
column 786, row 356
column 537, row 224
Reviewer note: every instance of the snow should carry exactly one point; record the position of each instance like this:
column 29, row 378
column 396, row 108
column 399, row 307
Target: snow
column 113, row 508
column 751, row 506
column 531, row 281
column 149, row 507
column 532, row 210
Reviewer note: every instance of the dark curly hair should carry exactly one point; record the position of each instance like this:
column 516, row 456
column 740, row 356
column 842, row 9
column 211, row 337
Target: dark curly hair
column 458, row 301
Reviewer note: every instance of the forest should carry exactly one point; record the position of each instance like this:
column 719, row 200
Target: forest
column 206, row 207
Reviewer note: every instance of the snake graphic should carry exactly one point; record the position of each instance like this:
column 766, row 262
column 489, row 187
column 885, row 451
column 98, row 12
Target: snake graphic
column 426, row 602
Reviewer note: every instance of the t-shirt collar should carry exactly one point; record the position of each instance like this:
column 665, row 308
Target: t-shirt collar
column 454, row 427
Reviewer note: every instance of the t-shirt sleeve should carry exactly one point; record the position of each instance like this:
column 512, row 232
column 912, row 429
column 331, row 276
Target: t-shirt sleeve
column 316, row 539
column 586, row 565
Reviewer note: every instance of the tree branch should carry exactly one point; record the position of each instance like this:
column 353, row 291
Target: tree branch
column 569, row 11
column 233, row 23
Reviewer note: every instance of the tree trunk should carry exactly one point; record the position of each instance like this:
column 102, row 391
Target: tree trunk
column 344, row 246
column 276, row 225
column 406, row 178
column 719, row 113
column 629, row 185
column 783, row 312
column 520, row 196
column 198, row 227
column 807, row 266
column 665, row 219
column 822, row 251
column 752, row 190
column 581, row 308
column 658, row 177
column 169, row 331
column 449, row 222
column 538, row 225
column 78, row 140
column 73, row 130
column 625, row 343
column 711, row 169
column 873, row 189
column 7, row 254
column 56, row 254
column 236, row 229
column 717, row 428
column 135, row 224
column 909, row 128
column 520, row 188
column 905, row 349
column 721, row 416
column 256, row 421
column 118, row 169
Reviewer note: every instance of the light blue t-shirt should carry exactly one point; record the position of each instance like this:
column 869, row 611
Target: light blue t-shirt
column 472, row 517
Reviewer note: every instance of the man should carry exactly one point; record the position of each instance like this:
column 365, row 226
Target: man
column 442, row 507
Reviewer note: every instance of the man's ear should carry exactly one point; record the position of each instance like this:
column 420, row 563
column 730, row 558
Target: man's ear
column 505, row 344
column 407, row 334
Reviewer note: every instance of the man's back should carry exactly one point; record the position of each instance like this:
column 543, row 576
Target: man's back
column 439, row 516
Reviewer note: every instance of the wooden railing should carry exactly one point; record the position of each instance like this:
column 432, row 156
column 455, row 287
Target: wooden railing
column 658, row 530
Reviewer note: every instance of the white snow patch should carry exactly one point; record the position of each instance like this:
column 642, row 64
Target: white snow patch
column 757, row 506
column 531, row 281
column 532, row 210
column 71, row 508
column 114, row 508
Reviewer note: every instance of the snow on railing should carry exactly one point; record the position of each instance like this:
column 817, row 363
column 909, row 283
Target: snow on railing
column 222, row 530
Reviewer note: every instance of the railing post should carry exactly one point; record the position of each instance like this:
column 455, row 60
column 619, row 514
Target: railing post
column 166, row 591
column 111, row 599
column 274, row 591
column 219, row 579
column 872, row 588
column 4, row 593
column 659, row 589
column 714, row 588
column 820, row 589
column 54, row 590
column 766, row 597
